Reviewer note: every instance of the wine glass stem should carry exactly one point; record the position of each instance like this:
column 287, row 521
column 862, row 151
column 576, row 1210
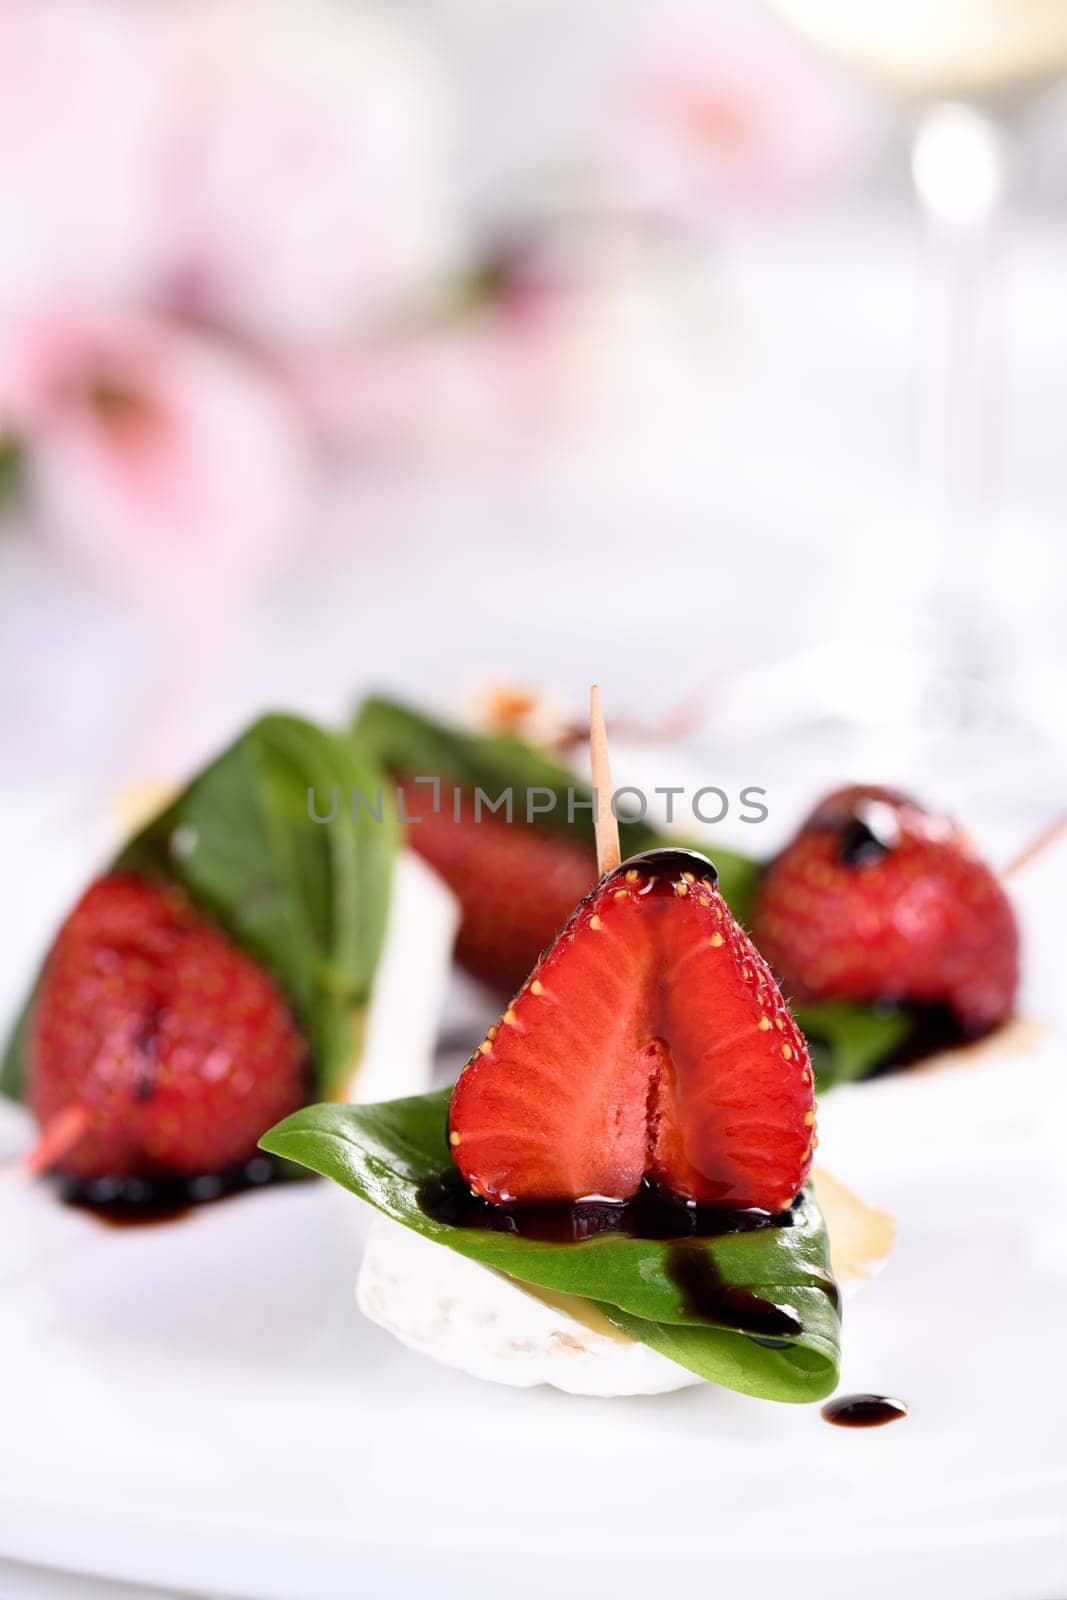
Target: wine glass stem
column 958, row 160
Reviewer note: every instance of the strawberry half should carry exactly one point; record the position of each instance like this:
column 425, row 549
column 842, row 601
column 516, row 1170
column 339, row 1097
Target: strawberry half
column 516, row 884
column 650, row 1042
column 176, row 1047
column 879, row 900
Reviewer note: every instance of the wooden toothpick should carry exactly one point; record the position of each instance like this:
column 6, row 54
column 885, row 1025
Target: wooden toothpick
column 608, row 854
column 1035, row 848
column 66, row 1129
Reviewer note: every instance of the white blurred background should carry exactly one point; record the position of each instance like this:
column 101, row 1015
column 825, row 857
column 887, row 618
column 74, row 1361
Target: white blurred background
column 424, row 344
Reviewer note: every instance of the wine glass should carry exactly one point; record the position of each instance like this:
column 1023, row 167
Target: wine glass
column 961, row 67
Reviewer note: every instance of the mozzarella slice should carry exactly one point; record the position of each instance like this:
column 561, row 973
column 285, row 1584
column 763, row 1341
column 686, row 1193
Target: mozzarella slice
column 475, row 1319
column 409, row 986
column 470, row 1317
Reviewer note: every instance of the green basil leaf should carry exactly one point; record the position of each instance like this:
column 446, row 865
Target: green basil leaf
column 405, row 741
column 801, row 1372
column 385, row 1153
column 849, row 1041
column 307, row 899
column 12, row 464
column 13, row 1061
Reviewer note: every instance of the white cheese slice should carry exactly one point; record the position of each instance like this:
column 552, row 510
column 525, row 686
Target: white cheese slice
column 469, row 1317
column 409, row 986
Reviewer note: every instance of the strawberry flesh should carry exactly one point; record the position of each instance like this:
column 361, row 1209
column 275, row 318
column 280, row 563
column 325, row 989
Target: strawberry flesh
column 177, row 1044
column 878, row 900
column 650, row 1042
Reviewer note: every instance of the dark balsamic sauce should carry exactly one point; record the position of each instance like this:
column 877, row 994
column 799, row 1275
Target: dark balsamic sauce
column 863, row 1410
column 670, row 862
column 865, row 826
column 663, row 866
column 141, row 1202
column 706, row 1298
column 652, row 1213
column 932, row 1028
column 858, row 845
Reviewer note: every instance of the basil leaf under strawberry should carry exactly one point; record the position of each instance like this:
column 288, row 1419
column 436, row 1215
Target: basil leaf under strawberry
column 389, row 1155
column 893, row 945
column 637, row 1130
column 217, row 975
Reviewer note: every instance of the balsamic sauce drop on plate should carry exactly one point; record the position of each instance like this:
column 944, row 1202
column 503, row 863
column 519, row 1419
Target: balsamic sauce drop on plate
column 863, row 1410
column 139, row 1202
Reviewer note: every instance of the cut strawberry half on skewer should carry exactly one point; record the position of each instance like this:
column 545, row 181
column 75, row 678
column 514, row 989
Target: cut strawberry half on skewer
column 877, row 899
column 157, row 1048
column 650, row 1043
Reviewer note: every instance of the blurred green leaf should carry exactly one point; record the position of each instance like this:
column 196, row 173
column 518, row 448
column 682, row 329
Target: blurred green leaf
column 409, row 743
column 11, row 464
column 849, row 1041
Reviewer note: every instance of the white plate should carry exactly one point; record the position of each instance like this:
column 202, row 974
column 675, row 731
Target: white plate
column 200, row 1406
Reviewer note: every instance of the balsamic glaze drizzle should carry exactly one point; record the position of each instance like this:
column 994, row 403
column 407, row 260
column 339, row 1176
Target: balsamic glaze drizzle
column 652, row 1213
column 137, row 1202
column 706, row 1298
column 863, row 1410
column 670, row 861
column 933, row 1028
column 858, row 845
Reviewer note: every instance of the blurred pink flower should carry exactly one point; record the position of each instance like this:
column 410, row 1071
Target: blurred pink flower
column 310, row 167
column 722, row 109
column 159, row 449
column 484, row 374
column 81, row 83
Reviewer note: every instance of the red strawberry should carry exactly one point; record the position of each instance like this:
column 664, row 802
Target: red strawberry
column 177, row 1046
column 877, row 899
column 651, row 1041
column 516, row 884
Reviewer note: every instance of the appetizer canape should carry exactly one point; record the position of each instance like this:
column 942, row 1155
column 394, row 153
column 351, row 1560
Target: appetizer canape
column 235, row 961
column 495, row 1326
column 636, row 1135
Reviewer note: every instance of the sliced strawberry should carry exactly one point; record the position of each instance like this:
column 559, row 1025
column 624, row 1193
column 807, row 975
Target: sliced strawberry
column 650, row 1042
column 176, row 1048
column 516, row 883
column 878, row 899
